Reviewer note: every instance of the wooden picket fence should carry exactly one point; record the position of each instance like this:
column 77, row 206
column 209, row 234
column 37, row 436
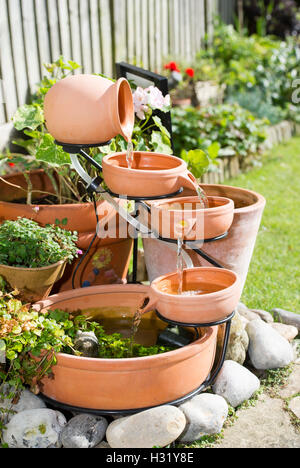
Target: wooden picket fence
column 96, row 34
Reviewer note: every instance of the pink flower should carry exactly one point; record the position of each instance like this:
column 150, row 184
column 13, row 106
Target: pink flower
column 140, row 101
column 79, row 252
column 149, row 98
column 156, row 100
column 36, row 209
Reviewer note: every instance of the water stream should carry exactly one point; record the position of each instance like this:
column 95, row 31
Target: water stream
column 129, row 154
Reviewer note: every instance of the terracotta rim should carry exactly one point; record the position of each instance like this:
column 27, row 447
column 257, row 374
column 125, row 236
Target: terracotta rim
column 109, row 289
column 259, row 199
column 216, row 294
column 28, row 269
column 181, row 164
column 229, row 204
column 122, row 83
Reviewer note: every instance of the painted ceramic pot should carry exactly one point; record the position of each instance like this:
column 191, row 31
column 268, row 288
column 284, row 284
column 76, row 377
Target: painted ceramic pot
column 152, row 174
column 218, row 293
column 89, row 109
column 186, row 218
column 148, row 381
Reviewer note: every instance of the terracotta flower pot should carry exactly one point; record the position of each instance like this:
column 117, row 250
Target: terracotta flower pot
column 109, row 258
column 34, row 284
column 186, row 218
column 152, row 174
column 234, row 252
column 120, row 384
column 89, row 109
column 219, row 294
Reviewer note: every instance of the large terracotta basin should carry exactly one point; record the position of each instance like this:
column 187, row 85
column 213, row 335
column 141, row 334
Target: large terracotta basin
column 121, row 384
column 219, row 293
column 187, row 218
column 152, row 174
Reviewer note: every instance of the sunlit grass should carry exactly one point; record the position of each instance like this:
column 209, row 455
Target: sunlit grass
column 274, row 275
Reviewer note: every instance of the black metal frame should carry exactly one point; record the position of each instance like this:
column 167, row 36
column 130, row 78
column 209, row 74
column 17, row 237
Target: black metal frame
column 79, row 149
column 161, row 82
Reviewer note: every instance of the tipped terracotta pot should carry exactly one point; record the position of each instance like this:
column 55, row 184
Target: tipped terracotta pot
column 34, row 284
column 152, row 174
column 234, row 252
column 89, row 109
column 108, row 259
column 218, row 295
column 186, row 218
column 121, row 384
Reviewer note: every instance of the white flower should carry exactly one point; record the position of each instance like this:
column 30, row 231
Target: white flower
column 156, row 98
column 140, row 101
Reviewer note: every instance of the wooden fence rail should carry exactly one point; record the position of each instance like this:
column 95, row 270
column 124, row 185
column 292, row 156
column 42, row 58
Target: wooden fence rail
column 96, row 34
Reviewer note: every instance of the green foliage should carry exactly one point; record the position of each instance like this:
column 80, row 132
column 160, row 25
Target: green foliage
column 218, row 131
column 32, row 338
column 23, row 243
column 261, row 64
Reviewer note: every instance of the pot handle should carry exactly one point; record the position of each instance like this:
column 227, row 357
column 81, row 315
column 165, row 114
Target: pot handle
column 149, row 303
column 187, row 180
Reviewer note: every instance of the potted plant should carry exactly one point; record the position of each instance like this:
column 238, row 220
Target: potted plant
column 33, row 258
column 48, row 190
column 181, row 85
column 40, row 348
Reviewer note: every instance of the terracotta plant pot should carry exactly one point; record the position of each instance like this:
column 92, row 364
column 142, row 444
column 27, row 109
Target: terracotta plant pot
column 220, row 294
column 177, row 102
column 234, row 252
column 152, row 174
column 109, row 257
column 186, row 218
column 89, row 109
column 34, row 284
column 121, row 384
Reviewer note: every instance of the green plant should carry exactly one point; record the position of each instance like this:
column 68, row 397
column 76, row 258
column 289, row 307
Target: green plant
column 23, row 243
column 234, row 129
column 256, row 64
column 31, row 340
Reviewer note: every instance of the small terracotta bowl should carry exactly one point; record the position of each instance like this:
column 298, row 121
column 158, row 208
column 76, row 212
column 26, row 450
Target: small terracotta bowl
column 188, row 219
column 152, row 174
column 220, row 295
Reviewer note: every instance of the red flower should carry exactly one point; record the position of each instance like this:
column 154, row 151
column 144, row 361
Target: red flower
column 11, row 164
column 172, row 66
column 190, row 72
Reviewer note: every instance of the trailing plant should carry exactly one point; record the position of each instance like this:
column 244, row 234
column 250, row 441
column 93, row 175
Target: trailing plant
column 29, row 341
column 24, row 243
column 235, row 129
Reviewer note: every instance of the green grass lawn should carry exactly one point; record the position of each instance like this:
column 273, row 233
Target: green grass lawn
column 274, row 275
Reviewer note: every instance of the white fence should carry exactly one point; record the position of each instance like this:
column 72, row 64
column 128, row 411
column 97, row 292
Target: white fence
column 96, row 34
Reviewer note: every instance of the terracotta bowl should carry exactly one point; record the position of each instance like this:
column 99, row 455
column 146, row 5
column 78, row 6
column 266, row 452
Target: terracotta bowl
column 220, row 295
column 121, row 384
column 186, row 218
column 152, row 174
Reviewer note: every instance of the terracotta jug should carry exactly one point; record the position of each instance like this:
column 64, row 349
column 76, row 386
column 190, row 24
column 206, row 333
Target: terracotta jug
column 89, row 109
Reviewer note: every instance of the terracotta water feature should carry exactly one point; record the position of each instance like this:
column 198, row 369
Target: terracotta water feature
column 208, row 296
column 123, row 384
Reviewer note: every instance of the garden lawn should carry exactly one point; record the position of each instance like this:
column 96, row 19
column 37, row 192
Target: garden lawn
column 274, row 274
